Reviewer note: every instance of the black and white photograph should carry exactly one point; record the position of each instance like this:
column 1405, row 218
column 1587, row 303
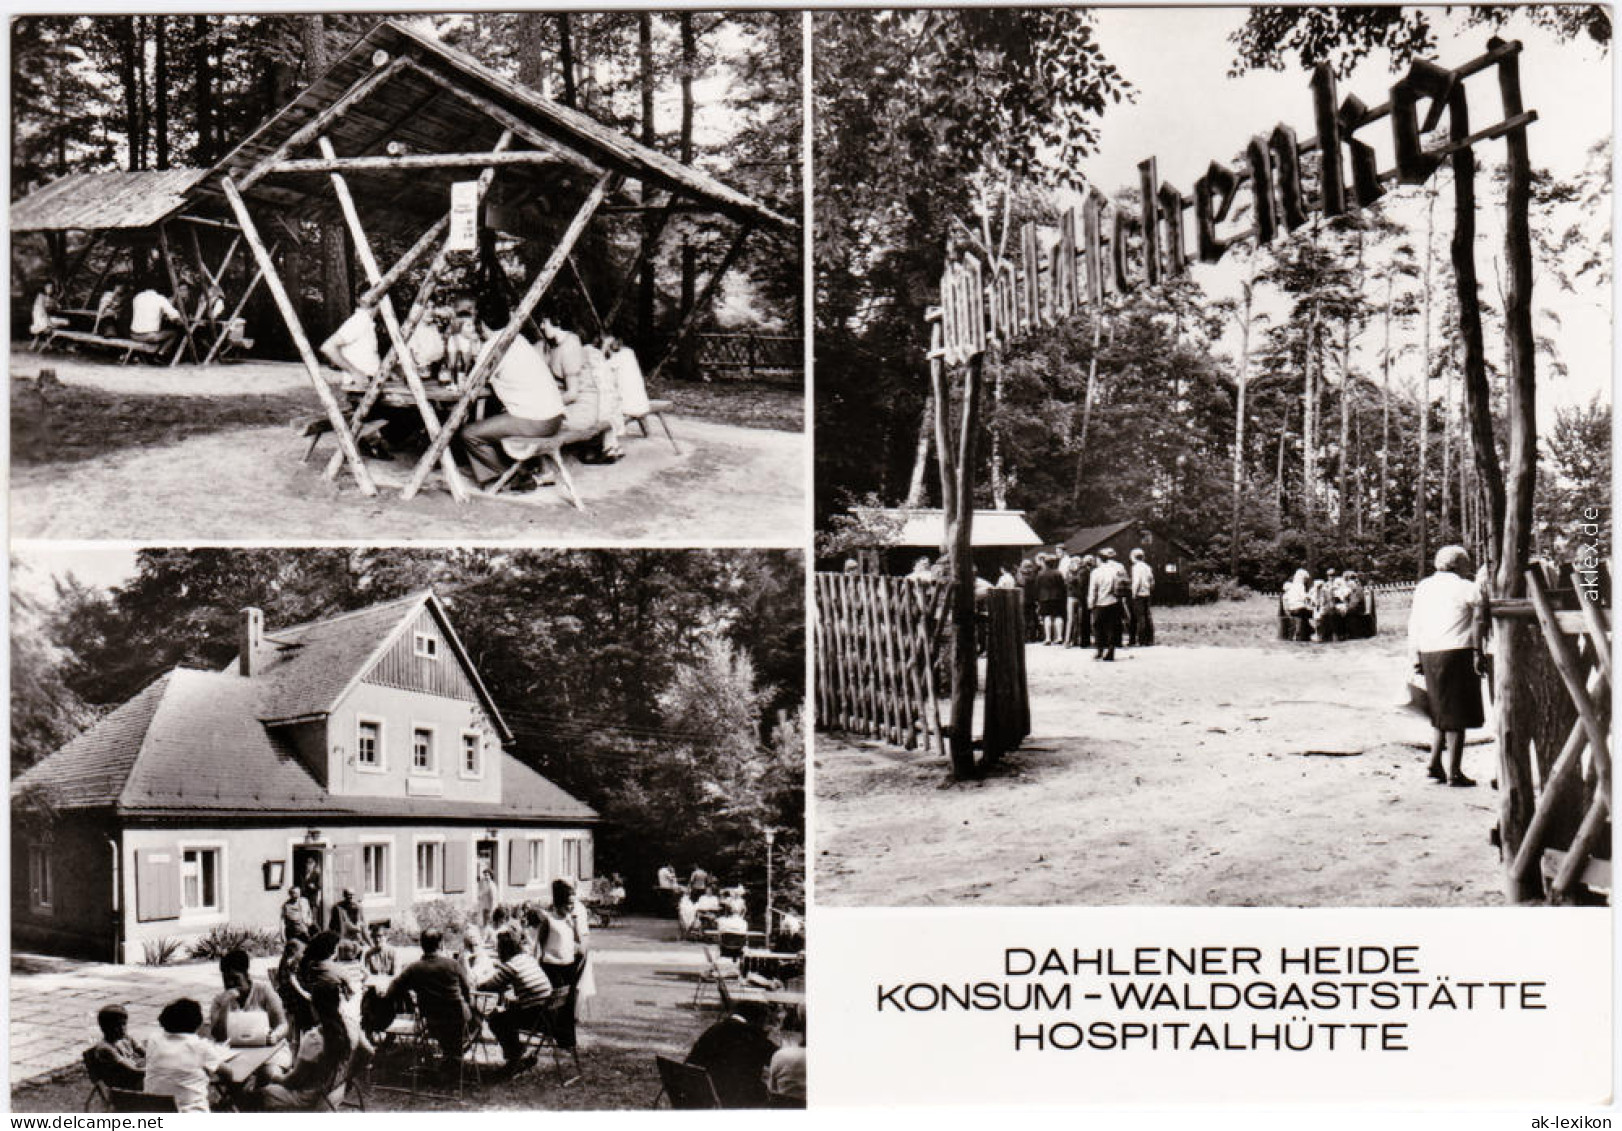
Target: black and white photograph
column 1213, row 456
column 395, row 830
column 312, row 276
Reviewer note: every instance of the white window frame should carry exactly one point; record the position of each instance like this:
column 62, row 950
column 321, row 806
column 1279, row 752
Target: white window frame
column 432, row 769
column 439, row 865
column 425, row 645
column 386, row 843
column 39, row 867
column 538, row 877
column 382, row 764
column 579, row 843
column 477, row 773
column 222, row 911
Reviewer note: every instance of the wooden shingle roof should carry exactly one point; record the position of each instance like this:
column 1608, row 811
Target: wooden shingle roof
column 420, row 116
column 104, row 201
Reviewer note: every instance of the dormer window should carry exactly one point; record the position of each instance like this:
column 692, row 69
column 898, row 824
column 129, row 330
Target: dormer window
column 427, row 646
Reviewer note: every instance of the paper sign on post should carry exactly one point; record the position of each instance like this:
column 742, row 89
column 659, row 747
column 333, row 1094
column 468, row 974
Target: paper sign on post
column 464, row 235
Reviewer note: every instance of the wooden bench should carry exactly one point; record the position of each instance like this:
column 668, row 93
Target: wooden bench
column 656, row 409
column 129, row 346
column 524, row 450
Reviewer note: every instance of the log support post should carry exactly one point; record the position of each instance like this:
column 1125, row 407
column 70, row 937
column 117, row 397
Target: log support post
column 960, row 535
column 295, row 330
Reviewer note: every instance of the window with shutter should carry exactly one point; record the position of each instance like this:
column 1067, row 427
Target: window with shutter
column 456, row 856
column 517, row 863
column 157, row 885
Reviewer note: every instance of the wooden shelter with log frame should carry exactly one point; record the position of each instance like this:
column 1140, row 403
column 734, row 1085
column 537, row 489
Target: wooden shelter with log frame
column 984, row 305
column 384, row 133
column 129, row 217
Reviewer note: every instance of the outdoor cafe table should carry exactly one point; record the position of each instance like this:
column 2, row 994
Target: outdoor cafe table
column 246, row 1061
column 771, row 964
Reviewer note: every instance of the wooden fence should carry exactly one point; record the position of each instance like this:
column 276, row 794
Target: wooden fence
column 1567, row 844
column 876, row 640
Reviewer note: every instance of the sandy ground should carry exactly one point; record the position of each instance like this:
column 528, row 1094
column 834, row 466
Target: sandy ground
column 727, row 483
column 1248, row 772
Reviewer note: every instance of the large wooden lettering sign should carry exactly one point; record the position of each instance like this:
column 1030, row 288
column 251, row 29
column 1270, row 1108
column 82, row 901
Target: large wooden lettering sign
column 1103, row 251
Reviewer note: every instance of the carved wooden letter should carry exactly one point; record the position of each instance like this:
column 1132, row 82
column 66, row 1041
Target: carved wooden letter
column 1213, row 199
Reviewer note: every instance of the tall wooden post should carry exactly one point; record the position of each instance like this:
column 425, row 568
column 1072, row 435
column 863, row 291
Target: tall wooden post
column 295, row 330
column 965, row 661
column 1515, row 643
column 942, row 395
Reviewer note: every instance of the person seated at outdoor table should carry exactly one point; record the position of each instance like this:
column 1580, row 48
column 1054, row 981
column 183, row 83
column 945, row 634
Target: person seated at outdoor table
column 736, row 1051
column 790, row 931
column 181, row 1064
column 244, row 993
column 116, row 1060
column 319, row 968
column 150, row 312
column 532, row 407
column 326, row 1045
column 348, row 922
column 785, row 1075
column 730, row 922
column 352, row 347
column 518, row 973
column 443, row 997
column 45, row 317
column 380, row 958
column 110, row 308
column 427, row 346
column 627, row 374
column 586, row 399
column 707, row 903
column 461, row 324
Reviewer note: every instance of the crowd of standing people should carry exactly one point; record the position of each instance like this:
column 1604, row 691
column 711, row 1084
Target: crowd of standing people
column 1086, row 600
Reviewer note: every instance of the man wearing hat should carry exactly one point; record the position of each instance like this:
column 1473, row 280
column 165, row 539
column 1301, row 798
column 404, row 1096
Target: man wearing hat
column 116, row 1060
column 1106, row 589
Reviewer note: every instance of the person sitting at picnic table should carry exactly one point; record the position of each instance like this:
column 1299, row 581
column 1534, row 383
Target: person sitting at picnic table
column 244, row 993
column 149, row 313
column 380, row 958
column 461, row 323
column 627, row 375
column 518, row 973
column 45, row 317
column 352, row 347
column 181, row 1064
column 427, row 346
column 736, row 1051
column 348, row 922
column 532, row 407
column 1445, row 636
column 116, row 1060
column 597, row 400
column 326, row 1045
column 785, row 1075
column 443, row 997
column 109, row 308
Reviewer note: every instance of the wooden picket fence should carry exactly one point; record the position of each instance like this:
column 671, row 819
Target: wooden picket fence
column 1568, row 841
column 876, row 642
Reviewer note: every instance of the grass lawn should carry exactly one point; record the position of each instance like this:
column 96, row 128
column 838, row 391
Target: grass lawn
column 747, row 404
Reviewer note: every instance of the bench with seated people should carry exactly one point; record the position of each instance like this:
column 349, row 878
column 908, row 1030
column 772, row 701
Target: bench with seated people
column 128, row 346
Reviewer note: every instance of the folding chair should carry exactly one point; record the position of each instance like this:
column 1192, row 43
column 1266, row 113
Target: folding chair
column 657, row 410
column 350, row 1091
column 138, row 1102
column 687, row 1086
column 544, row 1035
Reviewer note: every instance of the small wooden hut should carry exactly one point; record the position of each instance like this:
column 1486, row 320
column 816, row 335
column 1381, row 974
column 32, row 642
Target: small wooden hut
column 378, row 141
column 1165, row 555
column 140, row 223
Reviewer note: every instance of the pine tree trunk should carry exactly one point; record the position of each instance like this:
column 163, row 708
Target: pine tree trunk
column 336, row 291
column 1421, row 516
column 646, row 292
column 1087, row 407
column 127, row 41
column 688, row 362
column 1242, row 389
column 530, row 48
column 202, row 91
column 1447, row 443
column 1383, row 510
column 1309, row 426
column 566, row 58
column 1342, row 474
column 160, row 83
column 142, row 94
column 920, row 457
column 999, row 481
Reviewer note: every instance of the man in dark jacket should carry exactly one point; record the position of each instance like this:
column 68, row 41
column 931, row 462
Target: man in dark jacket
column 736, row 1052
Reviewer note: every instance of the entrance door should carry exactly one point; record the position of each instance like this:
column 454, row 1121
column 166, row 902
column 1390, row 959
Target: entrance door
column 309, row 873
column 489, row 855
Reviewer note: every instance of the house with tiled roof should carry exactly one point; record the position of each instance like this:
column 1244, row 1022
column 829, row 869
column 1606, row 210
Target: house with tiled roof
column 361, row 751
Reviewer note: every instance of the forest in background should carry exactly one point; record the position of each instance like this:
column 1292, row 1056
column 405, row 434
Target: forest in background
column 719, row 90
column 663, row 688
column 1349, row 446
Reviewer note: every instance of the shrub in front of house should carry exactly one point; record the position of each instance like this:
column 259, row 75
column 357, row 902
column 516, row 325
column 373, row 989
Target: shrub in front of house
column 450, row 918
column 259, row 942
column 161, row 952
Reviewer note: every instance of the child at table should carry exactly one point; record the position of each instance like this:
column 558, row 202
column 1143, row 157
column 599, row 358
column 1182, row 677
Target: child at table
column 461, row 339
column 181, row 1064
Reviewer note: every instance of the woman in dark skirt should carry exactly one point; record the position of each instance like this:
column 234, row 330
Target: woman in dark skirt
column 1445, row 634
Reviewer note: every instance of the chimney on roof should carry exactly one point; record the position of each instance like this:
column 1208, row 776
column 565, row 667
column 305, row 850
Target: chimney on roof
column 250, row 636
